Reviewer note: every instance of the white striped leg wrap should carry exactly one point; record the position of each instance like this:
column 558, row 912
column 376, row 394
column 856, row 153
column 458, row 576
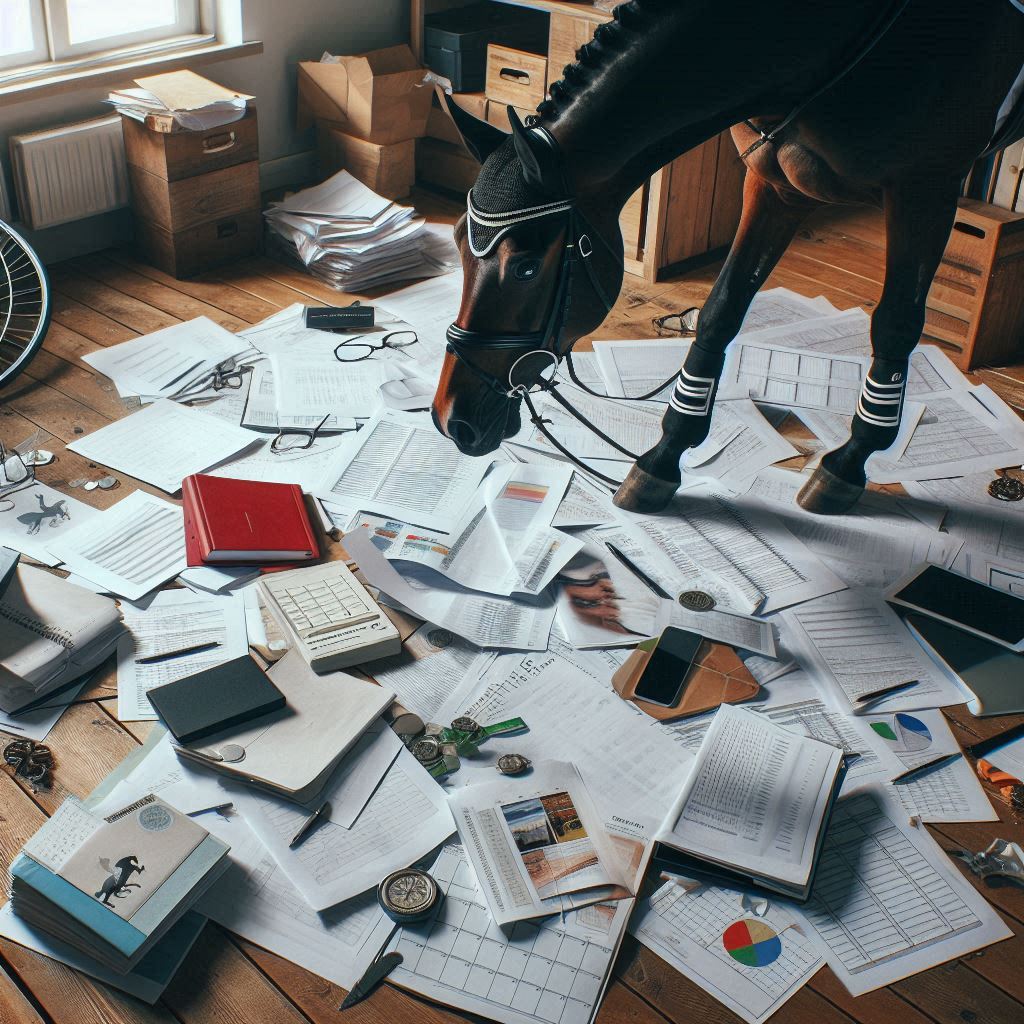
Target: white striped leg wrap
column 881, row 404
column 692, row 395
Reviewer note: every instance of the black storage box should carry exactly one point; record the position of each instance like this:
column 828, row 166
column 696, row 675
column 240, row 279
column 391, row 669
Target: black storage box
column 455, row 41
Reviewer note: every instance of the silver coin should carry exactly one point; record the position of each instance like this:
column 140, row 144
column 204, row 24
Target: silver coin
column 440, row 638
column 465, row 724
column 91, row 485
column 106, row 482
column 232, row 752
column 513, row 764
column 426, row 751
column 79, row 481
column 696, row 601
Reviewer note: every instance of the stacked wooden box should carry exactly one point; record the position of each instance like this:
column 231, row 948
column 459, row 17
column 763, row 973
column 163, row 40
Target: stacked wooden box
column 195, row 195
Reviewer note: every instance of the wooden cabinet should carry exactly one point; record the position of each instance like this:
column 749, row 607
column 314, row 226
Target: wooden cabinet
column 687, row 212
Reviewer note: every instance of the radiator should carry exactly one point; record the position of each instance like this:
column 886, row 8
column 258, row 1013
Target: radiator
column 66, row 173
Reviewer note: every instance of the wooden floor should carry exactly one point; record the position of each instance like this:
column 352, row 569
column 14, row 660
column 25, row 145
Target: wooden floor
column 104, row 299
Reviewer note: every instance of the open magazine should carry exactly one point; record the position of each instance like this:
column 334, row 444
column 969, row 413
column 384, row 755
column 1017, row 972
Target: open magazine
column 537, row 844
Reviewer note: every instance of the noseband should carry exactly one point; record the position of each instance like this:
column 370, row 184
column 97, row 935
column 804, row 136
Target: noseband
column 577, row 249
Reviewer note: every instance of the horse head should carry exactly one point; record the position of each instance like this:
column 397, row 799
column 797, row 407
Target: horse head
column 542, row 263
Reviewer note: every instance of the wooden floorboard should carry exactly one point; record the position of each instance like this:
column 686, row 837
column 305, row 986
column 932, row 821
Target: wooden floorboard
column 108, row 298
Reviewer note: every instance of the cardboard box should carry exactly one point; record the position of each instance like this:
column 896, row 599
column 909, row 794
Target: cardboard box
column 376, row 96
column 389, row 170
column 516, row 76
column 445, row 165
column 440, row 124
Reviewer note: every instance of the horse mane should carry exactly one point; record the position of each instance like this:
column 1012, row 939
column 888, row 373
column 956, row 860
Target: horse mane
column 610, row 38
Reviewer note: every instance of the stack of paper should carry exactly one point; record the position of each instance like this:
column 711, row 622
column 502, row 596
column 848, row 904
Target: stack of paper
column 179, row 101
column 354, row 239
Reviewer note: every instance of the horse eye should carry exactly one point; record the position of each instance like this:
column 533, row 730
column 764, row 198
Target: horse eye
column 526, row 270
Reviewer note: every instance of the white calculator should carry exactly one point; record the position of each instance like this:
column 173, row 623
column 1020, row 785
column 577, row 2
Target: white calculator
column 329, row 615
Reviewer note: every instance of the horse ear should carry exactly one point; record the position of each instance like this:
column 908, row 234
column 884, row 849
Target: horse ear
column 538, row 153
column 480, row 137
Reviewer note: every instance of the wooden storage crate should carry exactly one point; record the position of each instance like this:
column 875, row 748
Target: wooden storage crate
column 976, row 303
column 195, row 195
column 515, row 76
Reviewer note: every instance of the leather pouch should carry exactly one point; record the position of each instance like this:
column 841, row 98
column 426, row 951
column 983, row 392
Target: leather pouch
column 717, row 676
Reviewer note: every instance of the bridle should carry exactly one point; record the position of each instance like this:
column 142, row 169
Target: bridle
column 577, row 250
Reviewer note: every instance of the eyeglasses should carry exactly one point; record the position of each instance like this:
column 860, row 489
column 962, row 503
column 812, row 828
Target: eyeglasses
column 684, row 322
column 533, row 372
column 15, row 472
column 355, row 350
column 226, row 375
column 294, row 439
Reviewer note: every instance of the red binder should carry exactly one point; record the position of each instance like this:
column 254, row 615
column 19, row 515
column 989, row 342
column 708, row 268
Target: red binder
column 243, row 522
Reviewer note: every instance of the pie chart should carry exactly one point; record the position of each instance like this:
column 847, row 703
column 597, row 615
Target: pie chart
column 752, row 943
column 909, row 733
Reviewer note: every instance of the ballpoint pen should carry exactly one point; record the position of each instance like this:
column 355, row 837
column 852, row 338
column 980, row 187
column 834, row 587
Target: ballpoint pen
column 886, row 691
column 911, row 773
column 195, row 649
column 638, row 572
column 309, row 824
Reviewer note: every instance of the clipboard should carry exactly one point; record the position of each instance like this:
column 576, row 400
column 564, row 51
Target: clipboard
column 717, row 676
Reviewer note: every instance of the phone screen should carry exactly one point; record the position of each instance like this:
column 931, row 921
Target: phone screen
column 665, row 673
column 995, row 613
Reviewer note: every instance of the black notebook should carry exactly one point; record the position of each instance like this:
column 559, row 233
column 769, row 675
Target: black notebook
column 219, row 698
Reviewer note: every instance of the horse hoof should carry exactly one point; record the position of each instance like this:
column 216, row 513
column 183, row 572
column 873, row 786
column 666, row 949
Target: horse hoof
column 641, row 492
column 826, row 494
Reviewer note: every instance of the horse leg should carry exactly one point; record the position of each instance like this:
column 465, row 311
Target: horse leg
column 767, row 226
column 918, row 220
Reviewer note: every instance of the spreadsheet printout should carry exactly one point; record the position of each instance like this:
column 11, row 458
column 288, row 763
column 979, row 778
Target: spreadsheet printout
column 886, row 902
column 544, row 971
column 752, row 964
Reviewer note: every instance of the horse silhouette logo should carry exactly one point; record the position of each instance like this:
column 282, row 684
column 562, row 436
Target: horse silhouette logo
column 117, row 884
column 56, row 512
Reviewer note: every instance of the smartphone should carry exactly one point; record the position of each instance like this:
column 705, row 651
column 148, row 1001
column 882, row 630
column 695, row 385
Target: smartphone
column 664, row 676
column 977, row 608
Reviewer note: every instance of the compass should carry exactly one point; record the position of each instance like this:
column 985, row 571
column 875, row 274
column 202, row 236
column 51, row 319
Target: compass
column 409, row 895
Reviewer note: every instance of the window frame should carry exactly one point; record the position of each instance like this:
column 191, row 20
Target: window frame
column 40, row 53
column 186, row 25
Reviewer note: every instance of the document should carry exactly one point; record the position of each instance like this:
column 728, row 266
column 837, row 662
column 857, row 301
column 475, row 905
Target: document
column 302, row 466
column 285, row 332
column 405, row 818
column 601, row 601
column 751, row 963
column 856, row 645
column 167, row 361
column 399, row 465
column 568, row 704
column 886, row 902
column 307, row 388
column 634, row 425
column 950, row 791
column 536, row 842
column 755, row 800
column 792, row 377
column 131, row 548
column 961, row 432
column 163, row 443
column 32, row 518
column 775, row 307
column 633, row 368
column 429, row 306
column 552, row 970
column 586, row 503
column 36, row 725
column 176, row 635
column 846, row 333
column 482, row 619
column 747, row 547
column 587, row 371
column 434, row 667
column 754, row 445
column 743, row 631
column 503, row 544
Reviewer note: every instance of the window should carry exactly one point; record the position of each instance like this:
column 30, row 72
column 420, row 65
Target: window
column 37, row 34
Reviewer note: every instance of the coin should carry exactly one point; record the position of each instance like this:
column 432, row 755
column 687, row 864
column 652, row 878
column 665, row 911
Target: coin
column 427, row 750
column 232, row 752
column 696, row 601
column 106, row 482
column 38, row 457
column 1006, row 488
column 512, row 764
column 465, row 724
column 408, row 895
column 408, row 724
column 79, row 481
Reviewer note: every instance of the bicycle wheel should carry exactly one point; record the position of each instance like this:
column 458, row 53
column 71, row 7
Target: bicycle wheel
column 24, row 304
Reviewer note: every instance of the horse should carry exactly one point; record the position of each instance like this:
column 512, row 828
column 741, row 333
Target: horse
column 55, row 513
column 881, row 103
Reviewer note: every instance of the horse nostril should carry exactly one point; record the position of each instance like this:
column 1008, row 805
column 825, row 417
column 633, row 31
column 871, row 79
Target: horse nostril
column 464, row 434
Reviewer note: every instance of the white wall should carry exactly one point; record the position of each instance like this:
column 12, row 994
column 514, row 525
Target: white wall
column 291, row 30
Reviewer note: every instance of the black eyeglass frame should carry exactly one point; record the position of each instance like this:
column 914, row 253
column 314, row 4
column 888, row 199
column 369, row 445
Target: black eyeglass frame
column 310, row 433
column 384, row 342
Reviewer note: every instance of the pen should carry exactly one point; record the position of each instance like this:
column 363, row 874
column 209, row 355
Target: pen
column 638, row 572
column 309, row 824
column 219, row 808
column 935, row 762
column 177, row 654
column 885, row 691
column 184, row 373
